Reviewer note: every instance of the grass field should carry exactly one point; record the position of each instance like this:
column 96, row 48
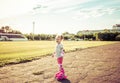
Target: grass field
column 16, row 52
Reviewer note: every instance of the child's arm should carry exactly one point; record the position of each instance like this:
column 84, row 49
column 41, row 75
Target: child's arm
column 64, row 50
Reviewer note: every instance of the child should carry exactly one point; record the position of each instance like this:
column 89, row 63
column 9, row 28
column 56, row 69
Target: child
column 59, row 51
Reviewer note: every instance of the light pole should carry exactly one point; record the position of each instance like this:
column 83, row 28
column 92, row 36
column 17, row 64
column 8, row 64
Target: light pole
column 35, row 8
column 33, row 29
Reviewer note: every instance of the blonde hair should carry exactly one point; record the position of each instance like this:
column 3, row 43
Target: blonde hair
column 61, row 36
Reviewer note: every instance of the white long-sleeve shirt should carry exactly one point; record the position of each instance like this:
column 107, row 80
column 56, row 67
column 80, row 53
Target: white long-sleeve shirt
column 59, row 50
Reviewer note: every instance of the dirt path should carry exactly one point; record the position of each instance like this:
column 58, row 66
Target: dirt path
column 92, row 65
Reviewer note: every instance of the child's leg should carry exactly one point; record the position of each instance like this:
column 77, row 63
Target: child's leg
column 60, row 60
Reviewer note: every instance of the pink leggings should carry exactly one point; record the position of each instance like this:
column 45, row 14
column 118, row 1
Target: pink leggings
column 60, row 60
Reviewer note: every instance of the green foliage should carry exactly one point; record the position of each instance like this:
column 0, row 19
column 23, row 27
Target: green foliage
column 15, row 32
column 117, row 38
column 40, row 36
column 68, row 36
column 107, row 36
column 104, row 36
column 8, row 29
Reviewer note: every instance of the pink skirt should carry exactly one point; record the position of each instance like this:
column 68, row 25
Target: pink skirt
column 60, row 60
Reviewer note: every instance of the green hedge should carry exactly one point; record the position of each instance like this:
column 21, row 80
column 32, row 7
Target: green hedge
column 108, row 36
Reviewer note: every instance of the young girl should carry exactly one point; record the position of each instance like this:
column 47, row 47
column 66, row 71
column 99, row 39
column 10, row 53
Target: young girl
column 59, row 51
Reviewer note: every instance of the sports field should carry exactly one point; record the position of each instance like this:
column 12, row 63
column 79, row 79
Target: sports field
column 16, row 52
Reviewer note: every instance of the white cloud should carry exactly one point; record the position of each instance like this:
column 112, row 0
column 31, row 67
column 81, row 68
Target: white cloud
column 73, row 6
column 94, row 12
column 58, row 6
column 11, row 8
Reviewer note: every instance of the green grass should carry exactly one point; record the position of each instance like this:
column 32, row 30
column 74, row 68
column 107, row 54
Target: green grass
column 38, row 73
column 17, row 52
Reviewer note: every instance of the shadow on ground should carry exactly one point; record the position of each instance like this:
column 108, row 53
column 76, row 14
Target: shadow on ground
column 64, row 81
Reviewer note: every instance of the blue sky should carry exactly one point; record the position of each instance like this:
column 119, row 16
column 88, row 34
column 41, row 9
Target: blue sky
column 58, row 16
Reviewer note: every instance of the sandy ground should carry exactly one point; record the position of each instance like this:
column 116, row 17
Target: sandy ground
column 92, row 65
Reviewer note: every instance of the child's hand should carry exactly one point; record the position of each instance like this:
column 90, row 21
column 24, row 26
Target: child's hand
column 52, row 55
column 64, row 50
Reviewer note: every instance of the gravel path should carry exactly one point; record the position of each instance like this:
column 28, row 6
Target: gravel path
column 92, row 65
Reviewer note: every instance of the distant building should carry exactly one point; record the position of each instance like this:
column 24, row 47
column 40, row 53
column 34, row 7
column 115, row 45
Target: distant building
column 117, row 26
column 104, row 30
column 7, row 34
column 94, row 31
column 12, row 37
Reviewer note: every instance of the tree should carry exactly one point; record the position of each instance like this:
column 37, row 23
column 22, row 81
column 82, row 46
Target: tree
column 7, row 28
column 117, row 38
column 2, row 27
column 65, row 33
column 107, row 36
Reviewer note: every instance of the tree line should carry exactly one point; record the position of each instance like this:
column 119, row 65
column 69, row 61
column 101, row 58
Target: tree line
column 104, row 36
column 109, row 36
column 40, row 36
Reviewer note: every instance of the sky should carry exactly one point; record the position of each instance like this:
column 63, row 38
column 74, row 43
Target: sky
column 58, row 16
